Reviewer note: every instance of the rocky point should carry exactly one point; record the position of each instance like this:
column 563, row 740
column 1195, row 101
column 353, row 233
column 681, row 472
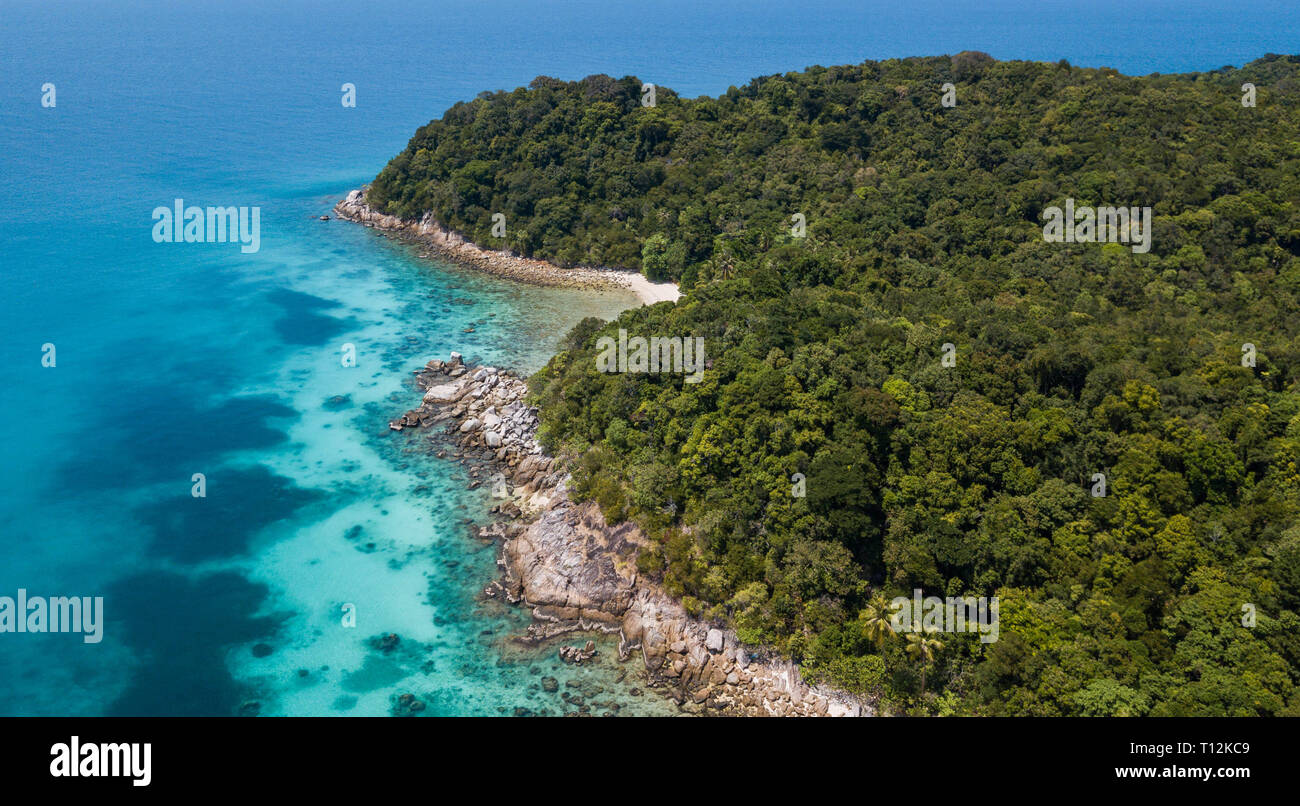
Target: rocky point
column 576, row 573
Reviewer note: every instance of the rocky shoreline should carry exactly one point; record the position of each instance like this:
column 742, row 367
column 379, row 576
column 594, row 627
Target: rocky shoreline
column 453, row 246
column 578, row 574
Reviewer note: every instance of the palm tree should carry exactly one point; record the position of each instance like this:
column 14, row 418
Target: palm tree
column 723, row 267
column 923, row 648
column 876, row 617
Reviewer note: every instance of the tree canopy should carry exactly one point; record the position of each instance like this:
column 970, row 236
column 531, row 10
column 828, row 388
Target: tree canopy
column 1171, row 373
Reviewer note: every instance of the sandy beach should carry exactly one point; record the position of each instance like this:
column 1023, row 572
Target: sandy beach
column 453, row 246
column 649, row 293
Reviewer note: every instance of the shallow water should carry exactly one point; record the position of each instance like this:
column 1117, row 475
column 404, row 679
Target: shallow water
column 177, row 359
column 234, row 603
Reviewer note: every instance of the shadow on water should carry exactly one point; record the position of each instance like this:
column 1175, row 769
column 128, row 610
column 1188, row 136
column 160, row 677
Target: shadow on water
column 180, row 629
column 303, row 323
column 239, row 503
column 162, row 433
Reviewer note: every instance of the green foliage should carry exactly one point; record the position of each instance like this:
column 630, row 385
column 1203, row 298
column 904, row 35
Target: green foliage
column 824, row 359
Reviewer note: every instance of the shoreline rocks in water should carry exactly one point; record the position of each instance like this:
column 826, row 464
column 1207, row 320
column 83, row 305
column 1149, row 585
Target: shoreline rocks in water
column 578, row 655
column 453, row 246
column 576, row 573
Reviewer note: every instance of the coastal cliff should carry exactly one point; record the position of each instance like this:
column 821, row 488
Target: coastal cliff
column 577, row 573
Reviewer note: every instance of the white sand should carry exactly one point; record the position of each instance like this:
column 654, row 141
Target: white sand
column 649, row 293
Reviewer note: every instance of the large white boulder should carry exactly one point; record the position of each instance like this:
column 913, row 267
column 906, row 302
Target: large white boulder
column 443, row 392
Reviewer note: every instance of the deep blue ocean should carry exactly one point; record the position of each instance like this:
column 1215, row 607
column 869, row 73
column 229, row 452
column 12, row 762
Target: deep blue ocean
column 174, row 359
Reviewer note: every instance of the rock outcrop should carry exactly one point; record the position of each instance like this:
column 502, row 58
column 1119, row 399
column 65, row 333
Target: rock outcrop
column 578, row 573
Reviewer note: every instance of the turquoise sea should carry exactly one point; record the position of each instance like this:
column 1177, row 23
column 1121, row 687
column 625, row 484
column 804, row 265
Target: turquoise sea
column 176, row 359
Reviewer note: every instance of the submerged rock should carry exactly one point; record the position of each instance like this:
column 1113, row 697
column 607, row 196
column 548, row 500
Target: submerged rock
column 386, row 643
column 576, row 655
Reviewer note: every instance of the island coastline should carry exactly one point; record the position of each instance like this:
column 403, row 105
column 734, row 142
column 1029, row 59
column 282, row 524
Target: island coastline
column 453, row 246
column 559, row 558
